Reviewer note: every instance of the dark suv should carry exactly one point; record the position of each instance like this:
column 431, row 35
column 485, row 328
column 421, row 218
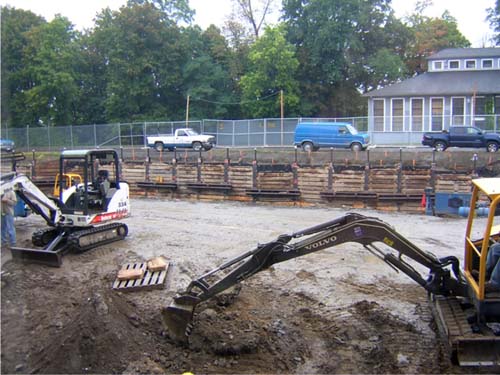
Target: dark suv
column 7, row 145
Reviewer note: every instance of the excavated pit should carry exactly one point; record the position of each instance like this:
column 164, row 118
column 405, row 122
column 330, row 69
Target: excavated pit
column 336, row 311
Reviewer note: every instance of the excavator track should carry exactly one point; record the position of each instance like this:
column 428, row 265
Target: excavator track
column 86, row 239
column 468, row 348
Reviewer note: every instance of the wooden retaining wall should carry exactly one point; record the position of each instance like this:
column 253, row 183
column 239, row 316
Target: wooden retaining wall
column 384, row 187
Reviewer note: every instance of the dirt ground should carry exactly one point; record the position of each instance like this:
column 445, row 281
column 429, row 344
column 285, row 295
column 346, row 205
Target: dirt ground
column 340, row 310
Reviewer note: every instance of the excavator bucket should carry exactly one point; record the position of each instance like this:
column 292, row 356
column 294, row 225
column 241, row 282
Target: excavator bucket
column 46, row 257
column 177, row 317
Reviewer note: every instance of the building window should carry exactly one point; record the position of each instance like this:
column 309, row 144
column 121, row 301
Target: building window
column 457, row 111
column 480, row 105
column 487, row 64
column 437, row 112
column 397, row 115
column 378, row 115
column 454, row 64
column 438, row 65
column 470, row 64
column 417, row 114
column 485, row 108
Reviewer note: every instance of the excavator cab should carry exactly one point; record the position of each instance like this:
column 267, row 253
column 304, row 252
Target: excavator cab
column 481, row 234
column 99, row 169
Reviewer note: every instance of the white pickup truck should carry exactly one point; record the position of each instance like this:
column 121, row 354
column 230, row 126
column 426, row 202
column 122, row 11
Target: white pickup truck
column 182, row 138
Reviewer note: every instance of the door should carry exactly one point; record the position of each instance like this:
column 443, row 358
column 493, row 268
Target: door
column 181, row 139
column 343, row 136
column 466, row 137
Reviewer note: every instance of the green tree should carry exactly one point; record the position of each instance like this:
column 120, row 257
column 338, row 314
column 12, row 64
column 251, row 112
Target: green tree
column 494, row 20
column 50, row 56
column 141, row 56
column 206, row 75
column 339, row 45
column 430, row 35
column 273, row 66
column 377, row 48
column 174, row 11
column 15, row 23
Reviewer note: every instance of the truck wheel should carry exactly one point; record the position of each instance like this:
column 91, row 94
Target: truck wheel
column 492, row 147
column 307, row 147
column 440, row 146
column 356, row 147
column 159, row 146
column 197, row 146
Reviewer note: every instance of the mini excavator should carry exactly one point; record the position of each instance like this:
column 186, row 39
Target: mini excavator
column 465, row 310
column 82, row 216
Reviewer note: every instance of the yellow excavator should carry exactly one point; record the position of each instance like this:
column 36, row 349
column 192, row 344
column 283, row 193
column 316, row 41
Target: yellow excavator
column 467, row 312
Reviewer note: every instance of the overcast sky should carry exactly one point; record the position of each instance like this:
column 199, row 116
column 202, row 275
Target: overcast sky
column 471, row 18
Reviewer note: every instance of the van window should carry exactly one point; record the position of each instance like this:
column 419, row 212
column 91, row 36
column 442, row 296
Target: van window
column 343, row 130
column 352, row 129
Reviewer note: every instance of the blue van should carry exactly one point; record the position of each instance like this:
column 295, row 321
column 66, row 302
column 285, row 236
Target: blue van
column 313, row 135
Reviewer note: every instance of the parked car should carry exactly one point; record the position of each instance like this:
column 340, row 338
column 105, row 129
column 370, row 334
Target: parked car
column 462, row 136
column 311, row 136
column 7, row 145
column 182, row 138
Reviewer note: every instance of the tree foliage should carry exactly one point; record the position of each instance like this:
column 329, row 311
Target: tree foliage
column 51, row 56
column 494, row 20
column 15, row 24
column 338, row 48
column 430, row 35
column 272, row 69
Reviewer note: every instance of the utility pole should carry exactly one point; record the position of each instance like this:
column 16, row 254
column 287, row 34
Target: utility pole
column 282, row 114
column 187, row 112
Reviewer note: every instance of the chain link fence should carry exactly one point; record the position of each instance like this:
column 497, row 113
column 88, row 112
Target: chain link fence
column 269, row 132
column 228, row 133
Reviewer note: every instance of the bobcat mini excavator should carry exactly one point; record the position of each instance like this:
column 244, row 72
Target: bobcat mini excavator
column 81, row 217
column 464, row 310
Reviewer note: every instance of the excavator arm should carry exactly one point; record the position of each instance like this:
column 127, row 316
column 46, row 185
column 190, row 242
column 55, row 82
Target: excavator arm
column 444, row 276
column 39, row 203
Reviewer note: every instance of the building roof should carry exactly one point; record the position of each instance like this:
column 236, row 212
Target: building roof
column 465, row 53
column 444, row 83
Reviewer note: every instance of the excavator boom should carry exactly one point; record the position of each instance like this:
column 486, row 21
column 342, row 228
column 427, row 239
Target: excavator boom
column 444, row 276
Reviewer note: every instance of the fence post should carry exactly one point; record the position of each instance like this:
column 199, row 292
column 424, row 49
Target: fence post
column 71, row 135
column 27, row 137
column 95, row 137
column 48, row 137
column 234, row 131
column 144, row 133
column 265, row 132
column 120, row 135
